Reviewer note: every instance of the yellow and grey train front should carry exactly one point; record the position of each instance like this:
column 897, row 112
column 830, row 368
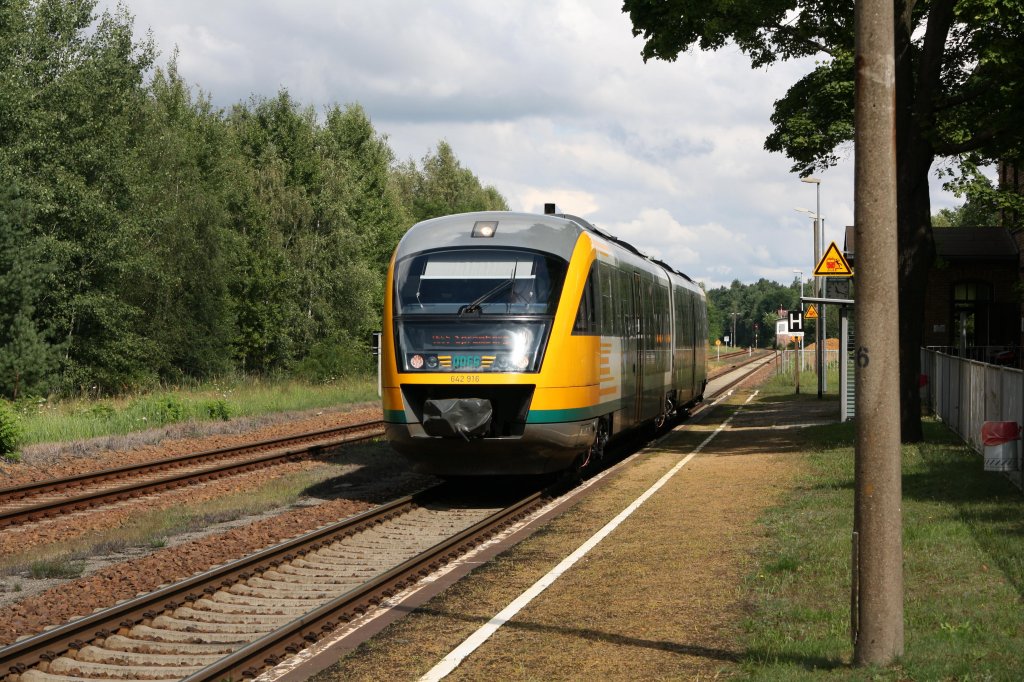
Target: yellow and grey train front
column 481, row 374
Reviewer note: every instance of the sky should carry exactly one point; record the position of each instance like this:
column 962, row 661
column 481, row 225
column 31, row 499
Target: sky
column 548, row 102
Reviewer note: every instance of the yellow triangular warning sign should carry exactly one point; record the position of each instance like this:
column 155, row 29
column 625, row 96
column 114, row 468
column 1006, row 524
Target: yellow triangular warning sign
column 833, row 264
column 812, row 313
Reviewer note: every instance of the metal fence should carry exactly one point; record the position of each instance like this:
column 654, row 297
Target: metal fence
column 1007, row 356
column 806, row 358
column 966, row 393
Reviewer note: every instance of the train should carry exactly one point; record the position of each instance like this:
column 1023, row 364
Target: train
column 521, row 344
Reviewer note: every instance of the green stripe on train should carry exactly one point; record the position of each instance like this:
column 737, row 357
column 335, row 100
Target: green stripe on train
column 395, row 417
column 575, row 414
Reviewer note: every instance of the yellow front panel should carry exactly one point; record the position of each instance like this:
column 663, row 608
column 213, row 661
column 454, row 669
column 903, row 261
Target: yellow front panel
column 570, row 375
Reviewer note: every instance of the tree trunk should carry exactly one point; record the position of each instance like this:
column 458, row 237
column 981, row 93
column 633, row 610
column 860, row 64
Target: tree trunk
column 914, row 157
column 916, row 256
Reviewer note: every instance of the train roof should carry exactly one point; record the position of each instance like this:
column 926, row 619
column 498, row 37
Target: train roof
column 541, row 232
column 551, row 233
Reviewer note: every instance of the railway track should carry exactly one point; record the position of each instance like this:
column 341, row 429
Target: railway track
column 53, row 497
column 727, row 355
column 44, row 499
column 239, row 618
column 234, row 620
column 741, row 359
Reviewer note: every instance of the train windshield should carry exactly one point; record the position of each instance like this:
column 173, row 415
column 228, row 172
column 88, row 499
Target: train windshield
column 479, row 282
column 476, row 310
column 475, row 346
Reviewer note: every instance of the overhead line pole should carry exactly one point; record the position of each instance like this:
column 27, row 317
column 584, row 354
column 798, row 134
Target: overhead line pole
column 819, row 332
column 877, row 599
column 818, row 246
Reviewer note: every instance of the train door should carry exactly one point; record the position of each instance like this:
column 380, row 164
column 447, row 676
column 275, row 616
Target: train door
column 639, row 355
column 654, row 381
column 626, row 331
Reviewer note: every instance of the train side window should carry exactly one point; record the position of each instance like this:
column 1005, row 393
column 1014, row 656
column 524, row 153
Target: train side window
column 681, row 306
column 607, row 299
column 622, row 302
column 587, row 314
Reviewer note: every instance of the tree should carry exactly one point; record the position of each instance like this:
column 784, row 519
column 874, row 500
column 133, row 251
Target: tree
column 273, row 291
column 71, row 116
column 959, row 91
column 182, row 209
column 27, row 357
column 716, row 323
column 372, row 203
column 445, row 187
column 980, row 210
column 755, row 303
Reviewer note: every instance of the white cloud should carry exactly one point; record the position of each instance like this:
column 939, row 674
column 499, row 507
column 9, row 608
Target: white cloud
column 548, row 102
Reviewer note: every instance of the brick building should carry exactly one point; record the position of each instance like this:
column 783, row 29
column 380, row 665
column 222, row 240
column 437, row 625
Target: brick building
column 974, row 290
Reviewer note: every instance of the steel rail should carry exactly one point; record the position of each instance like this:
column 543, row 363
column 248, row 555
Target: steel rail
column 752, row 358
column 764, row 360
column 45, row 646
column 52, row 507
column 274, row 647
column 51, row 484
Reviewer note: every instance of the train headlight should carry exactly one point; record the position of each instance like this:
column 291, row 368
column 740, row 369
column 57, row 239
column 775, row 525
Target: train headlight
column 416, row 362
column 521, row 362
column 431, row 362
column 484, row 228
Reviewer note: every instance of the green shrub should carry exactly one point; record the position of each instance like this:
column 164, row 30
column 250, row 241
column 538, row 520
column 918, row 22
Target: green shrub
column 218, row 409
column 102, row 411
column 158, row 410
column 336, row 358
column 11, row 432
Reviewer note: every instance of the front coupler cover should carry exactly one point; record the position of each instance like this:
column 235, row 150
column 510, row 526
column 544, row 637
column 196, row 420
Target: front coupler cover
column 467, row 418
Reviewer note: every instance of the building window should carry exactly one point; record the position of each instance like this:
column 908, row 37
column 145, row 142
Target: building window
column 971, row 303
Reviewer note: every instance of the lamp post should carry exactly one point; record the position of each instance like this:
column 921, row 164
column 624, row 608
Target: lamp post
column 820, row 290
column 824, row 327
column 800, row 274
column 819, row 324
column 734, row 328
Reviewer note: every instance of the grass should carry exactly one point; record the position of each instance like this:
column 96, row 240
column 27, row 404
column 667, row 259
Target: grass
column 963, row 544
column 784, row 384
column 57, row 568
column 44, row 421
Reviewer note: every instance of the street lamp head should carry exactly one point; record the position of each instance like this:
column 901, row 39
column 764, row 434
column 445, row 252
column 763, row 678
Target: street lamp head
column 809, row 212
column 811, row 180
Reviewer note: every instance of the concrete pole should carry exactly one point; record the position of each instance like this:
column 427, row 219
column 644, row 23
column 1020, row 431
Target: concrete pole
column 822, row 312
column 798, row 357
column 878, row 550
column 819, row 336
